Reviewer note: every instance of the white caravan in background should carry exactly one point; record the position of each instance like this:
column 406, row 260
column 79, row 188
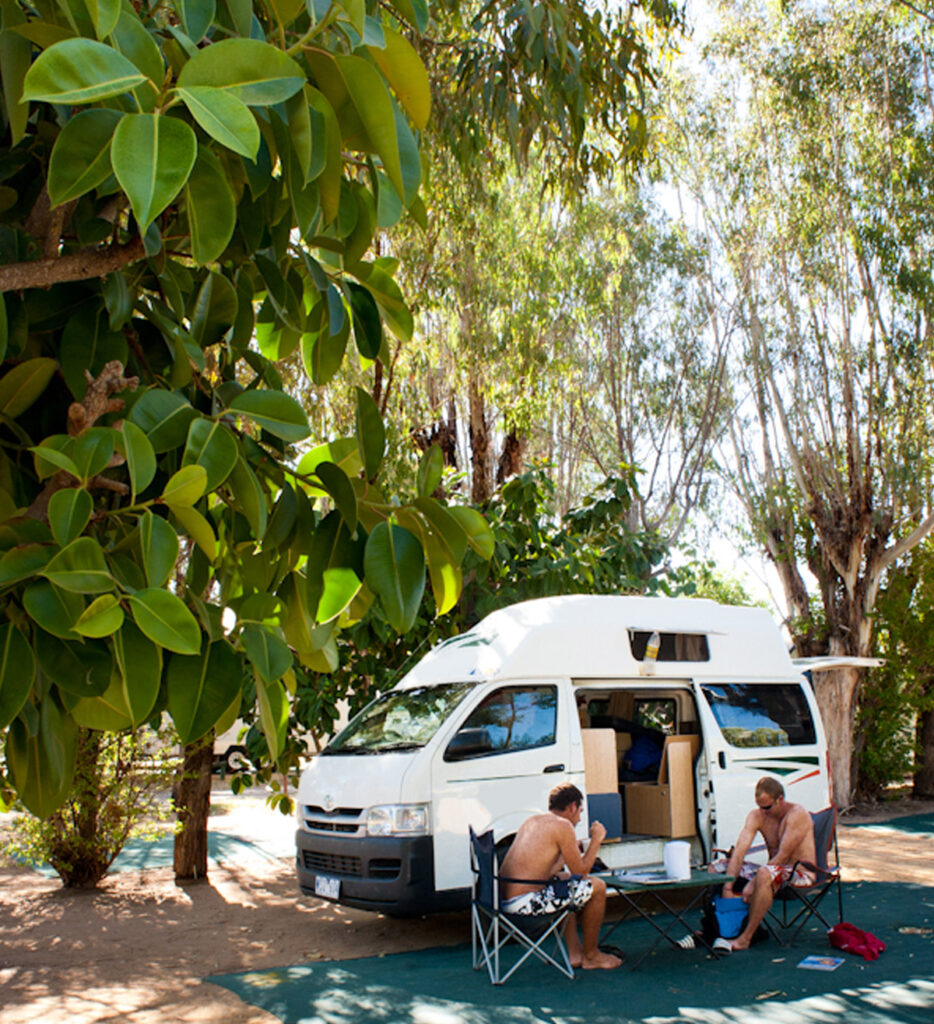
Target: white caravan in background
column 553, row 690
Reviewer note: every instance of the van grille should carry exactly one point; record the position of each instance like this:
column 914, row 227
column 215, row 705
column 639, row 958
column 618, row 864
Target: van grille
column 345, row 820
column 388, row 868
column 331, row 863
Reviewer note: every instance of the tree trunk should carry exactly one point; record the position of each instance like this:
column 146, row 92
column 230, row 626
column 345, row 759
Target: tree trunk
column 923, row 788
column 192, row 796
column 836, row 697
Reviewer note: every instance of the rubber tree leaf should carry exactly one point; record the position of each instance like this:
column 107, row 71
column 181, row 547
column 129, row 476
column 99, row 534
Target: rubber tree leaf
column 104, row 14
column 55, row 610
column 49, row 460
column 212, row 446
column 158, row 544
column 152, row 157
column 402, row 68
column 477, row 530
column 273, row 704
column 371, row 434
column 92, row 451
column 430, row 471
column 268, row 654
column 282, row 519
column 80, row 568
column 211, row 208
column 248, row 496
column 77, row 71
column 164, row 417
column 329, row 180
column 81, row 669
column 395, row 571
column 441, row 522
column 139, row 455
column 23, row 561
column 15, row 59
column 102, row 617
column 80, row 158
column 367, row 325
column 133, row 685
column 118, row 300
column 17, row 672
column 136, row 44
column 196, row 17
column 255, row 72
column 341, row 586
column 337, row 484
column 368, row 93
column 198, row 528
column 185, row 487
column 42, row 764
column 274, row 411
column 224, row 117
column 23, row 385
column 201, row 687
column 69, row 512
column 165, row 619
column 444, row 572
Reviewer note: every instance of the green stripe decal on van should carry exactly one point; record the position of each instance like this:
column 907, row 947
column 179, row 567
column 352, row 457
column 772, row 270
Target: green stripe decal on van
column 802, row 759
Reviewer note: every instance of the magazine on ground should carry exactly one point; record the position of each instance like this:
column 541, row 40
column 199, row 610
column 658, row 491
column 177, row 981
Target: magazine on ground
column 821, row 963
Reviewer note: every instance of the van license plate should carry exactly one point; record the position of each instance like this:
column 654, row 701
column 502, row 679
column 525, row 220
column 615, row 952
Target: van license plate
column 329, row 888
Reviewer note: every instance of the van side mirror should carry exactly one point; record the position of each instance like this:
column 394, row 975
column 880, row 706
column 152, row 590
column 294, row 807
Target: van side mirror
column 469, row 743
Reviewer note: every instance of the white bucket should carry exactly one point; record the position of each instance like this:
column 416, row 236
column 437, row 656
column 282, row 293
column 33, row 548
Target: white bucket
column 678, row 860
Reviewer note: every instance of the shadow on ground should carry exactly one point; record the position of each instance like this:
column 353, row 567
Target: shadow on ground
column 437, row 986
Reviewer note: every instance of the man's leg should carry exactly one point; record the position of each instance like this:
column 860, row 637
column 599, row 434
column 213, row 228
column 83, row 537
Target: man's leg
column 586, row 954
column 759, row 902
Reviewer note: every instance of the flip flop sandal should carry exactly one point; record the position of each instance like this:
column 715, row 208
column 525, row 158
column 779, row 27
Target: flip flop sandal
column 613, row 951
column 687, row 942
column 722, row 945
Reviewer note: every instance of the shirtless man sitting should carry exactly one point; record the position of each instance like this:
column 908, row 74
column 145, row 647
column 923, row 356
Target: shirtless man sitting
column 545, row 846
column 789, row 838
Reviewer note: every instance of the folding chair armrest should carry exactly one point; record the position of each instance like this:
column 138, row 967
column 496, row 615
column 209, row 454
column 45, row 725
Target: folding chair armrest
column 821, row 874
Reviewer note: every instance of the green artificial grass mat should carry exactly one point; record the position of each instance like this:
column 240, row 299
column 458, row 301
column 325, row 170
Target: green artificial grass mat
column 913, row 824
column 764, row 984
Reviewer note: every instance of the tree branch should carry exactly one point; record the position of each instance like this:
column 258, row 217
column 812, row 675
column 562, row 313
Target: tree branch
column 77, row 266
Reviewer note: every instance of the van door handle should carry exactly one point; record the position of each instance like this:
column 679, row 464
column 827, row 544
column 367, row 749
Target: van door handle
column 721, row 757
column 553, row 768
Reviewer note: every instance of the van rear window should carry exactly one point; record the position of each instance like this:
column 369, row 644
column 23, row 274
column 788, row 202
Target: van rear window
column 761, row 714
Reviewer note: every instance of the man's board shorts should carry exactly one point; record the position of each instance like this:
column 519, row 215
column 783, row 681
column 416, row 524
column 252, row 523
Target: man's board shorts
column 548, row 901
column 781, row 874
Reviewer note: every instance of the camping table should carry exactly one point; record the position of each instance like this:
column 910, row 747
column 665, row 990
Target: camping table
column 641, row 897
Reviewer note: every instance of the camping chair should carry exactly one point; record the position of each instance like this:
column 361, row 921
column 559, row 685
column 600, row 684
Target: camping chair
column 798, row 903
column 492, row 927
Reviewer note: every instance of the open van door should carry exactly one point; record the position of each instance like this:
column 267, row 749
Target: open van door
column 760, row 728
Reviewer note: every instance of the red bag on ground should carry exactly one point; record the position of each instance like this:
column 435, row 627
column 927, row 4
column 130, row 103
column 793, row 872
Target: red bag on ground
column 851, row 939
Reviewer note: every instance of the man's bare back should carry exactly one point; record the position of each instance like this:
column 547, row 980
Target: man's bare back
column 539, row 851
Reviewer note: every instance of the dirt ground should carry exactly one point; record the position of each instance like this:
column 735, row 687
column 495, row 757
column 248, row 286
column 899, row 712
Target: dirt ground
column 137, row 948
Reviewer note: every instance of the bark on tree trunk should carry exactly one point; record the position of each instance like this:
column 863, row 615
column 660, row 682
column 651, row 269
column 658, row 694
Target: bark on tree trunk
column 923, row 788
column 192, row 796
column 836, row 697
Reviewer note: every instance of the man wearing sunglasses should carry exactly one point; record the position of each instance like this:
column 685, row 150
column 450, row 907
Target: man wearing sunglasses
column 789, row 839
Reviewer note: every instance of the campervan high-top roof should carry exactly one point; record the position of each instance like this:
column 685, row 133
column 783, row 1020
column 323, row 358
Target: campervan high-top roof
column 591, row 637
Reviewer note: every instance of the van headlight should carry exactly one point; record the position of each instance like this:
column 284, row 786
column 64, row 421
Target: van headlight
column 397, row 820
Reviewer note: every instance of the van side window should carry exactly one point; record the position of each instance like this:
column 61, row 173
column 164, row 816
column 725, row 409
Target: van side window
column 512, row 718
column 761, row 714
column 672, row 646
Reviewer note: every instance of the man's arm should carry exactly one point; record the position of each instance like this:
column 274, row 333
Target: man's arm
column 743, row 842
column 576, row 862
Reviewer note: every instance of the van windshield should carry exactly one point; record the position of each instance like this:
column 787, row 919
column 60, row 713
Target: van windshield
column 399, row 720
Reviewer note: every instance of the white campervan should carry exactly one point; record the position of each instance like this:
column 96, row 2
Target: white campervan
column 552, row 690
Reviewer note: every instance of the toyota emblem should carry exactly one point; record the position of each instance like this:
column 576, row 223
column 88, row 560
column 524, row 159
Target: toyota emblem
column 329, row 803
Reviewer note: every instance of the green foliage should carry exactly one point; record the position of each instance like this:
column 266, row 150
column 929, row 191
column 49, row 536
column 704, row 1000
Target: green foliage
column 896, row 692
column 534, row 554
column 175, row 179
column 116, row 795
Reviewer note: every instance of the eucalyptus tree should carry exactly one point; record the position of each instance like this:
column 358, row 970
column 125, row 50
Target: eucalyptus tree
column 810, row 164
column 175, row 179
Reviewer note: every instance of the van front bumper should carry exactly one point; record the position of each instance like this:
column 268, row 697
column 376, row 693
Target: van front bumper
column 393, row 875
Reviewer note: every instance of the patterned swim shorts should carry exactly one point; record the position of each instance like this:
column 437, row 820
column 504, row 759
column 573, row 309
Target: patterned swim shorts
column 781, row 874
column 547, row 901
